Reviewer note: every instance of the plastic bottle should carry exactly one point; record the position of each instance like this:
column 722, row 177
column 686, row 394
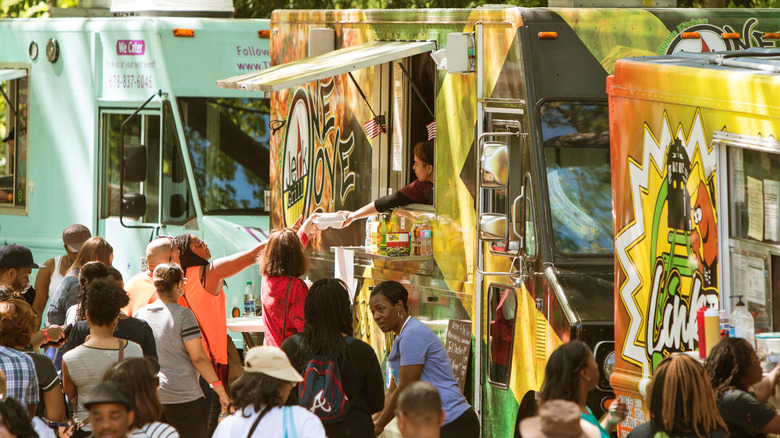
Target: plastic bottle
column 369, row 233
column 383, row 234
column 701, row 331
column 724, row 324
column 711, row 328
column 741, row 323
column 249, row 300
column 762, row 322
column 426, row 239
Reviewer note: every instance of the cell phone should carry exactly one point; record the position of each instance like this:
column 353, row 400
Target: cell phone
column 66, row 333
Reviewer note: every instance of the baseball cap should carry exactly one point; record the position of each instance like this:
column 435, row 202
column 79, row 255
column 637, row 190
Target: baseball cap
column 74, row 236
column 109, row 392
column 17, row 256
column 271, row 361
column 558, row 419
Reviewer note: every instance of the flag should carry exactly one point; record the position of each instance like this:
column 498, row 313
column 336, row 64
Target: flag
column 431, row 130
column 373, row 127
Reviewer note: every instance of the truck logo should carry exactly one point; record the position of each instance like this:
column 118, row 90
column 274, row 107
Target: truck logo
column 315, row 158
column 675, row 233
column 130, row 47
column 711, row 38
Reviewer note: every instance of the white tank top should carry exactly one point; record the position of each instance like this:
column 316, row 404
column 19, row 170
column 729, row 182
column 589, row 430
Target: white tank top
column 56, row 277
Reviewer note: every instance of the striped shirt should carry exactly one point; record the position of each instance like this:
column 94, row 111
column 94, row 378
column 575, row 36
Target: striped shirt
column 154, row 430
column 21, row 381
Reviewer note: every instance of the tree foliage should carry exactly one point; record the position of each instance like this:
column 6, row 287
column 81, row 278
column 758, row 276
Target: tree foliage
column 32, row 8
column 263, row 8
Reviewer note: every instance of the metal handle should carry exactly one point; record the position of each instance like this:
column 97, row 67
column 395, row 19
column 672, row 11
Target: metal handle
column 514, row 209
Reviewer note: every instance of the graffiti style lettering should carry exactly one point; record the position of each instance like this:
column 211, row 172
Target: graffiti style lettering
column 315, row 148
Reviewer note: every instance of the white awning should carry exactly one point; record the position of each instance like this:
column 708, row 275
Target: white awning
column 303, row 71
column 8, row 74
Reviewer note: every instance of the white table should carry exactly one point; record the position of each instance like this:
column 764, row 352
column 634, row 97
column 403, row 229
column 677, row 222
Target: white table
column 246, row 325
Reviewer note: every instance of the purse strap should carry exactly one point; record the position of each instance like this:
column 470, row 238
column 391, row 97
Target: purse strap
column 121, row 350
column 286, row 298
column 288, row 418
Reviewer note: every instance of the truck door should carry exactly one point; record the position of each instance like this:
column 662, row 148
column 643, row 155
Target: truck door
column 507, row 245
column 143, row 181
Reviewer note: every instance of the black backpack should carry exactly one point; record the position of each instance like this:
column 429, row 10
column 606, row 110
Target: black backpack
column 321, row 391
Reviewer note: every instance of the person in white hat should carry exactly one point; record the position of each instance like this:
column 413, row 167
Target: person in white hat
column 259, row 396
column 558, row 419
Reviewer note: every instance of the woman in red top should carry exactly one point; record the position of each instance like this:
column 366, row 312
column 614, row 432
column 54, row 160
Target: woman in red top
column 283, row 293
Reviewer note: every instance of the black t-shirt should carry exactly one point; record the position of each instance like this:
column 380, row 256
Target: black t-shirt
column 646, row 431
column 361, row 377
column 132, row 329
column 744, row 414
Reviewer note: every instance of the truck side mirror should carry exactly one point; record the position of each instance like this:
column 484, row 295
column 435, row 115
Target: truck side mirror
column 177, row 205
column 492, row 227
column 494, row 165
column 134, row 163
column 133, row 205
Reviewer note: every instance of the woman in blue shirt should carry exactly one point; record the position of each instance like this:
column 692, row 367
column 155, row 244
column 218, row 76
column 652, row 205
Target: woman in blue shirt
column 417, row 354
column 571, row 373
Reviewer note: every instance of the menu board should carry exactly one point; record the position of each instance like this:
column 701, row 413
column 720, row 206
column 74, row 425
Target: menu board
column 458, row 347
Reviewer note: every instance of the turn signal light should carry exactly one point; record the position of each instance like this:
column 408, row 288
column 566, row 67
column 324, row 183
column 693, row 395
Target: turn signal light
column 690, row 35
column 772, row 36
column 548, row 35
column 184, row 33
column 264, row 33
column 730, row 36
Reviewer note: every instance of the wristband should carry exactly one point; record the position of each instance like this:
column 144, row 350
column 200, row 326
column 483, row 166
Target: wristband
column 215, row 384
column 45, row 333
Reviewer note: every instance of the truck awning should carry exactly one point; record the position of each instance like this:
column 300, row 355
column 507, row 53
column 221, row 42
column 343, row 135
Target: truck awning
column 323, row 66
column 9, row 74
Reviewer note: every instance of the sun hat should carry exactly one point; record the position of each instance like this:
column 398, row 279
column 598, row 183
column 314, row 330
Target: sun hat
column 271, row 361
column 558, row 419
column 74, row 237
column 17, row 256
column 109, row 392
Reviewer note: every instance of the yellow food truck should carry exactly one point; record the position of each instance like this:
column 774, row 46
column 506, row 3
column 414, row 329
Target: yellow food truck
column 696, row 193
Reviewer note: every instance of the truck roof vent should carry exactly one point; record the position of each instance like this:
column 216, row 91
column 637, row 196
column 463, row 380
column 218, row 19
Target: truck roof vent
column 178, row 8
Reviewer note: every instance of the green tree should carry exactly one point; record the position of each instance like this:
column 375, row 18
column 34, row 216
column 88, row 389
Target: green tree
column 32, row 8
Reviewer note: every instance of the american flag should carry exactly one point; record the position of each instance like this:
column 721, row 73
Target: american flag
column 431, row 130
column 373, row 127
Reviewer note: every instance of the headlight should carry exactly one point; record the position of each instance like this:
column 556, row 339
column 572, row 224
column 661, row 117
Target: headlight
column 609, row 364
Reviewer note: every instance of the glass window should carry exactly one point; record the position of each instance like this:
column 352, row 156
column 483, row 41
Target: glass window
column 754, row 195
column 228, row 143
column 576, row 149
column 501, row 332
column 14, row 98
column 164, row 184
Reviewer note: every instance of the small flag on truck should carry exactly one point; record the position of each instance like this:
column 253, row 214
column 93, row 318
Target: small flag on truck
column 374, row 126
column 431, row 130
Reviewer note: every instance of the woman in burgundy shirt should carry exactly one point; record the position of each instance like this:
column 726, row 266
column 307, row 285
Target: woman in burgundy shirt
column 420, row 191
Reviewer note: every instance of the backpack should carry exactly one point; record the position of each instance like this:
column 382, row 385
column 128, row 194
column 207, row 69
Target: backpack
column 321, row 391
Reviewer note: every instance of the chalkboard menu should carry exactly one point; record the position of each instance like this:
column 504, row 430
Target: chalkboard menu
column 458, row 347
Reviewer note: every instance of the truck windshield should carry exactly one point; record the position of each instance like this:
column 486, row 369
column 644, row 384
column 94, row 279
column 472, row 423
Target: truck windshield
column 228, row 142
column 576, row 152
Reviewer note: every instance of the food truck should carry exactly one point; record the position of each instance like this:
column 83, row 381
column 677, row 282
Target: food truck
column 515, row 99
column 696, row 184
column 119, row 126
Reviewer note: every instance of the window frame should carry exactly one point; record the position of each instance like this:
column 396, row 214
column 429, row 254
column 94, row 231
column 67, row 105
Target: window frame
column 19, row 96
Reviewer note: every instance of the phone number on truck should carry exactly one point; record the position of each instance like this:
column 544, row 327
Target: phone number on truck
column 130, row 81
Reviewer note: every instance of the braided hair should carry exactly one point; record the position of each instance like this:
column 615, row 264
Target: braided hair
column 728, row 365
column 187, row 258
column 681, row 400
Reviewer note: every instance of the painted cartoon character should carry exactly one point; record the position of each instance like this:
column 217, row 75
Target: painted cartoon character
column 704, row 236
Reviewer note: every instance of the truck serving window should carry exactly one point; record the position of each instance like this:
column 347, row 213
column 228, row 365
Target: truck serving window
column 575, row 137
column 164, row 184
column 228, row 142
column 14, row 97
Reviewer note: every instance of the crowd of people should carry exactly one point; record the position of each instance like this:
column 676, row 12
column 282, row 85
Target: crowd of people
column 164, row 371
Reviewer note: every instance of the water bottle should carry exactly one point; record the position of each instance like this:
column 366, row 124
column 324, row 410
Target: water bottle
column 249, row 300
column 741, row 324
column 426, row 239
